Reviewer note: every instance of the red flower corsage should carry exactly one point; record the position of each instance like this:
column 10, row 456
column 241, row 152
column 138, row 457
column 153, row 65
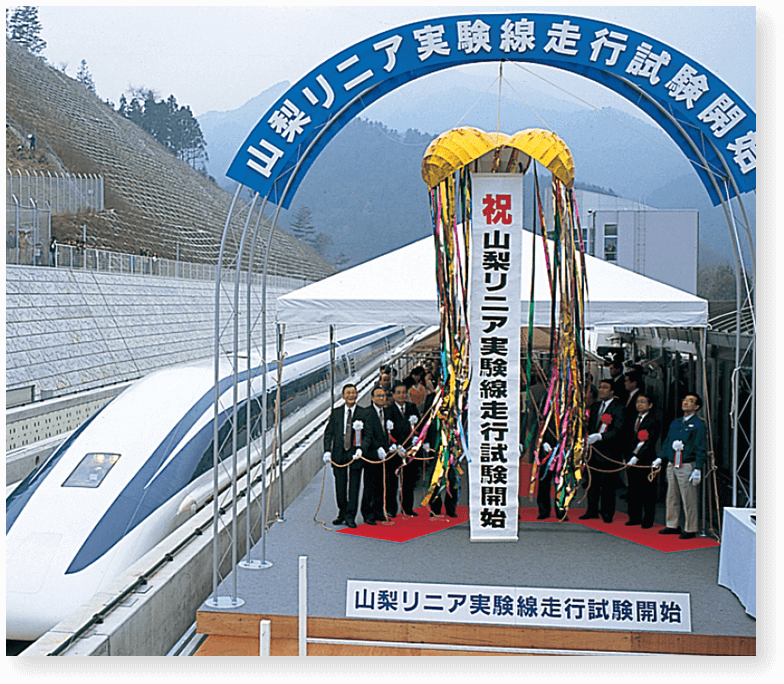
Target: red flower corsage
column 642, row 436
column 606, row 418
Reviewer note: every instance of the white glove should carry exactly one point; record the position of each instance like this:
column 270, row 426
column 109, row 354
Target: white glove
column 592, row 439
column 677, row 445
column 656, row 463
column 427, row 446
column 357, row 454
column 695, row 477
column 400, row 450
column 546, row 447
column 390, row 425
column 413, row 420
column 381, row 453
column 633, row 460
column 327, row 457
column 358, row 425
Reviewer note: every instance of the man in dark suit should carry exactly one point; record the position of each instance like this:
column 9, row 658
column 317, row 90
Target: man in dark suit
column 617, row 380
column 642, row 435
column 375, row 444
column 404, row 417
column 451, row 492
column 545, row 475
column 341, row 451
column 605, row 435
column 633, row 384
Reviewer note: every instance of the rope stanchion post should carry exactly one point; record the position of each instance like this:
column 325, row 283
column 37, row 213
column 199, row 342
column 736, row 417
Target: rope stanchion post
column 303, row 606
column 264, row 638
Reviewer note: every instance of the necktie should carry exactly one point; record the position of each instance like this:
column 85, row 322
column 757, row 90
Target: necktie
column 637, row 424
column 347, row 434
column 602, row 409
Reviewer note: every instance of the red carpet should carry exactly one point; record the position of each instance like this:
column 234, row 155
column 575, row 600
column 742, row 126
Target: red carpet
column 402, row 528
column 651, row 538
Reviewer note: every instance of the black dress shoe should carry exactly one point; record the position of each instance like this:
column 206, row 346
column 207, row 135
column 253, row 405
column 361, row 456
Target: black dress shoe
column 607, row 520
column 338, row 520
column 687, row 535
column 588, row 516
column 646, row 526
column 351, row 524
column 451, row 514
column 630, row 523
column 370, row 522
column 670, row 530
column 542, row 516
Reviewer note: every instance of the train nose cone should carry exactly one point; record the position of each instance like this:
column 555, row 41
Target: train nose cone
column 26, row 622
column 29, row 612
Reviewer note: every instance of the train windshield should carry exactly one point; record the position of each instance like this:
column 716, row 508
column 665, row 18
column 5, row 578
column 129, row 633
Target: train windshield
column 91, row 471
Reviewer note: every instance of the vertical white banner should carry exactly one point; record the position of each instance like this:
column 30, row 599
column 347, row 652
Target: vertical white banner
column 494, row 394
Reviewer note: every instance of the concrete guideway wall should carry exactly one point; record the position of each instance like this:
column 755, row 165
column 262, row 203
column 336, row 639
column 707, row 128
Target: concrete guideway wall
column 68, row 331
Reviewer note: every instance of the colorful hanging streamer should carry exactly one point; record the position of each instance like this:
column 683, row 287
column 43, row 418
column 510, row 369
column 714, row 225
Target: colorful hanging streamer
column 448, row 177
column 564, row 411
column 452, row 243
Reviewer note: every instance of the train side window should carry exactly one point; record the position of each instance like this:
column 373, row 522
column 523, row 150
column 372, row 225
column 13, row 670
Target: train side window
column 92, row 470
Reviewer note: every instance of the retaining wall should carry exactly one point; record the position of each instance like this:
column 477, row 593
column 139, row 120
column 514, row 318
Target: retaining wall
column 68, row 331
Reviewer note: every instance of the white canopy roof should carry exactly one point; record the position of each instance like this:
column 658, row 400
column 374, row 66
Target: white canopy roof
column 400, row 287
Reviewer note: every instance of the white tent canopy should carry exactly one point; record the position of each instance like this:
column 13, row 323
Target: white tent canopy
column 400, row 287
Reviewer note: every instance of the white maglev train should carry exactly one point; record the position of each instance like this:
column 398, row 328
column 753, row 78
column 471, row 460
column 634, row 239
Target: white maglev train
column 131, row 473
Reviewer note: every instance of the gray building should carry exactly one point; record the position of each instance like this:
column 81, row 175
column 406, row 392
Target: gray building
column 659, row 243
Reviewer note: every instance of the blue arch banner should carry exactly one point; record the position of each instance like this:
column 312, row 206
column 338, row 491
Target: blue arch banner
column 709, row 122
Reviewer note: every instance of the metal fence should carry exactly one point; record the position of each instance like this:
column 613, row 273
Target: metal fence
column 100, row 260
column 62, row 193
column 28, row 231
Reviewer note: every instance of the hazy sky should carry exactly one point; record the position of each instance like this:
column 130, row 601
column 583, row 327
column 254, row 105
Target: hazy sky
column 217, row 58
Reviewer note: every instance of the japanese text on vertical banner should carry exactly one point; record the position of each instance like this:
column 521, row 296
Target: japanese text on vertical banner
column 494, row 394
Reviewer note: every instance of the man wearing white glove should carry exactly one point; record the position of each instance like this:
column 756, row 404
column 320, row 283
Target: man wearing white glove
column 605, row 436
column 375, row 446
column 684, row 450
column 340, row 450
column 641, row 438
column 401, row 412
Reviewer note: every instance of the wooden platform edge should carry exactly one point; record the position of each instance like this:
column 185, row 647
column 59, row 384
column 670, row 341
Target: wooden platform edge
column 246, row 625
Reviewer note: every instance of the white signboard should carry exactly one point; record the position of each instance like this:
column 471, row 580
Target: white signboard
column 519, row 606
column 494, row 394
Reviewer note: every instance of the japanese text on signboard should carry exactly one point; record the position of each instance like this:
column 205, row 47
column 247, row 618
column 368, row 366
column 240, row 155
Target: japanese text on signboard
column 519, row 606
